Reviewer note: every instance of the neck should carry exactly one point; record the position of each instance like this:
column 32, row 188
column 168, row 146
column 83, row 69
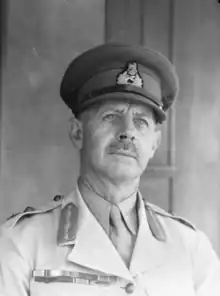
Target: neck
column 113, row 192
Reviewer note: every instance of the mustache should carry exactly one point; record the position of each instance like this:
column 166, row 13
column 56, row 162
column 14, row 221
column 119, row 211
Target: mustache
column 128, row 146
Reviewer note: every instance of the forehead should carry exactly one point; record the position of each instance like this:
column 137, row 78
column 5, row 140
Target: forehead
column 123, row 106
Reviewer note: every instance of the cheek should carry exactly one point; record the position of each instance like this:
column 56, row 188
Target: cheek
column 146, row 147
column 97, row 139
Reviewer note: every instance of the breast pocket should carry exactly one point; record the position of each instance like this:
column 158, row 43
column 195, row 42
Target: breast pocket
column 167, row 281
column 73, row 289
column 65, row 289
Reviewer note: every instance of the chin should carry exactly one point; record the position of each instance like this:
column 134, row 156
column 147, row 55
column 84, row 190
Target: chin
column 123, row 178
column 123, row 173
column 118, row 169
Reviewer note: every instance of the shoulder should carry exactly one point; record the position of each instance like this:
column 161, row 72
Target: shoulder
column 22, row 233
column 159, row 212
column 177, row 229
column 28, row 232
column 30, row 213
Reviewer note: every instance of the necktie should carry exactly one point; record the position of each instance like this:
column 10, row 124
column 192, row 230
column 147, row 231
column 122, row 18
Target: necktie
column 120, row 235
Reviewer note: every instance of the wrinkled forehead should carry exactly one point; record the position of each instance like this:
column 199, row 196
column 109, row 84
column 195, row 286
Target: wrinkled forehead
column 123, row 106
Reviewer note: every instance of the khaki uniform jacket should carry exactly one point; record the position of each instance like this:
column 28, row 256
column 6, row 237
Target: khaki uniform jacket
column 61, row 250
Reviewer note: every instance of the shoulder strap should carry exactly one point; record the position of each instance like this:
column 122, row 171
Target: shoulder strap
column 14, row 219
column 163, row 213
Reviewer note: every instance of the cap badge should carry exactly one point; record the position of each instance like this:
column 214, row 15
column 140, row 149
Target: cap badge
column 130, row 76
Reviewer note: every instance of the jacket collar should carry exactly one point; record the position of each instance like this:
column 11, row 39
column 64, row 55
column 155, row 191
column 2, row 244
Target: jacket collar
column 93, row 249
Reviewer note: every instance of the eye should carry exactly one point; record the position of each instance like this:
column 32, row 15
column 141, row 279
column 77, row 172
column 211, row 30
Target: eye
column 110, row 116
column 141, row 121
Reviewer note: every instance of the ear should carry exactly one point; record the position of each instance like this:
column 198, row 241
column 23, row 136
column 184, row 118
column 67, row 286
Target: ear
column 76, row 132
column 157, row 141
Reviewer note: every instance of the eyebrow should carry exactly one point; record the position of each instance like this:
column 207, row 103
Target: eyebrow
column 142, row 114
column 114, row 109
column 120, row 111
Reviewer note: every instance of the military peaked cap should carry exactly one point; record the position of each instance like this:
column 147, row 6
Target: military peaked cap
column 120, row 72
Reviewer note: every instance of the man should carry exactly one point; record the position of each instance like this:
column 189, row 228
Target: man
column 104, row 239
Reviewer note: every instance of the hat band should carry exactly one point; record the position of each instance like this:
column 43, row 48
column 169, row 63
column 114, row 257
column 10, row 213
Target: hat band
column 109, row 78
column 117, row 89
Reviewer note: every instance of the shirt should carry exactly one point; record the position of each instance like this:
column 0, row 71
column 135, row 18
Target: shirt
column 100, row 208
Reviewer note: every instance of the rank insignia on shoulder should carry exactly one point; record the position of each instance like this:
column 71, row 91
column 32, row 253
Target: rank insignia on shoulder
column 29, row 209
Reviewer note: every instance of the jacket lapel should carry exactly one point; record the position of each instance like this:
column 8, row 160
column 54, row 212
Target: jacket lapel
column 92, row 247
column 153, row 246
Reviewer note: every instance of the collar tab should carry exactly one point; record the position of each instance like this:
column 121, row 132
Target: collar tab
column 155, row 225
column 68, row 224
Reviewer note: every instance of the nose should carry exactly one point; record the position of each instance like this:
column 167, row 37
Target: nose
column 123, row 136
column 126, row 131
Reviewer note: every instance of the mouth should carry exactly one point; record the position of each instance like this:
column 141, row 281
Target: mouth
column 123, row 153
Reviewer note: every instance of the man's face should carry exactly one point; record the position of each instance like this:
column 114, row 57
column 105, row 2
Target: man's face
column 118, row 139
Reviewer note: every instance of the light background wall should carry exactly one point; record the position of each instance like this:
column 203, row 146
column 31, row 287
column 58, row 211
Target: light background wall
column 38, row 160
column 197, row 58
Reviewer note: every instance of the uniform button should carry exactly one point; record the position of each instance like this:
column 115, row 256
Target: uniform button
column 57, row 197
column 129, row 289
